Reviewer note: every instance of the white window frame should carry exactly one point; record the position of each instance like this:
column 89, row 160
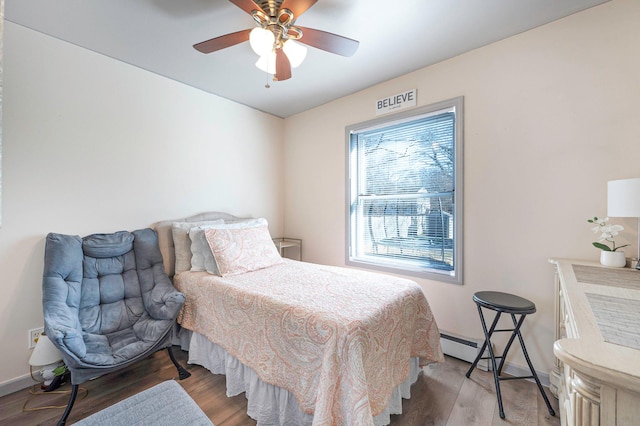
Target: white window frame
column 388, row 264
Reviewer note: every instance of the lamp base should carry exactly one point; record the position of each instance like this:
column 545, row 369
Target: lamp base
column 56, row 382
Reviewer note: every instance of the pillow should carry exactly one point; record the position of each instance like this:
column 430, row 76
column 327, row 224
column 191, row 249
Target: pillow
column 182, row 243
column 237, row 250
column 201, row 256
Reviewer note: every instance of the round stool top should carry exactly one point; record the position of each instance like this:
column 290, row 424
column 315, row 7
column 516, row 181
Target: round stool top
column 504, row 302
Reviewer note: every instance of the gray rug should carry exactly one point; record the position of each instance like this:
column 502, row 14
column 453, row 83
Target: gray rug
column 166, row 404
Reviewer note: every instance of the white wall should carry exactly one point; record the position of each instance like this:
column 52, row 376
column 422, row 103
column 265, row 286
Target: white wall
column 550, row 116
column 91, row 144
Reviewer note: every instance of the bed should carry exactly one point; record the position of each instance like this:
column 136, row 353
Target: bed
column 309, row 344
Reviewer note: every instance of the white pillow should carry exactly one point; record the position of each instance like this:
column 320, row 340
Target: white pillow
column 201, row 256
column 182, row 243
column 240, row 247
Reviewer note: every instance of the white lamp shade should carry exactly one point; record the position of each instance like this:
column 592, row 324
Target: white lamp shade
column 623, row 198
column 267, row 63
column 261, row 40
column 295, row 52
column 45, row 353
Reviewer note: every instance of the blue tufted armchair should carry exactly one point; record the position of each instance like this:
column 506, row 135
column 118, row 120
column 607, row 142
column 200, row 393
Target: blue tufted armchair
column 107, row 302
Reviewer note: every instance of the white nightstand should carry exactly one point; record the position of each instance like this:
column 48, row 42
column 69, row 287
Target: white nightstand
column 290, row 248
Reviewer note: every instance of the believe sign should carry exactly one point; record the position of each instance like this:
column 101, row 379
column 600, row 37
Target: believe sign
column 396, row 102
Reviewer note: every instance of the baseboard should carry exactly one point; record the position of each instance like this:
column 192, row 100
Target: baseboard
column 463, row 348
column 17, row 384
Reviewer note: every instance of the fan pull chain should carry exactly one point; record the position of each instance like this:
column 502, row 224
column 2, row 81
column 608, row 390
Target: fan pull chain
column 267, row 86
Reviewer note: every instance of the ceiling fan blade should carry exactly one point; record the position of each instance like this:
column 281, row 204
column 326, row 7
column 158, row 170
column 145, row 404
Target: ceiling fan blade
column 298, row 7
column 283, row 66
column 246, row 5
column 328, row 41
column 221, row 42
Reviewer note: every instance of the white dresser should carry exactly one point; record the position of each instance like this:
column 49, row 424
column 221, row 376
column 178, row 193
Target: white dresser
column 598, row 344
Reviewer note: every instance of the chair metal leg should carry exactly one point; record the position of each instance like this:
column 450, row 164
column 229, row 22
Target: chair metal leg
column 475, row 362
column 67, row 411
column 535, row 375
column 515, row 331
column 486, row 340
column 492, row 357
column 182, row 372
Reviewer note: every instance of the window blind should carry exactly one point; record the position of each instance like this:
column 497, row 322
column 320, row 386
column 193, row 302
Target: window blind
column 403, row 210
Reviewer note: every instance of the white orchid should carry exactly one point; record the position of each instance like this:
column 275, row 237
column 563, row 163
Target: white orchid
column 607, row 232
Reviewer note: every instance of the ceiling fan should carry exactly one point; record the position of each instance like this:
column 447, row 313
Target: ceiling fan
column 275, row 37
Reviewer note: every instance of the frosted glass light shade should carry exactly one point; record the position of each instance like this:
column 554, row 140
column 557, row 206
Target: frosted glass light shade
column 267, row 63
column 261, row 40
column 45, row 353
column 623, row 198
column 295, row 52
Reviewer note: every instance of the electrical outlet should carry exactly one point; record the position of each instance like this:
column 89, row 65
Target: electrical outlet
column 34, row 335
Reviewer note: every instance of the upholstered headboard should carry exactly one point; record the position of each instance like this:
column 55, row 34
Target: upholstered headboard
column 165, row 236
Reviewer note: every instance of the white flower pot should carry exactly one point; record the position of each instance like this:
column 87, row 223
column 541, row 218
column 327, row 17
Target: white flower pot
column 613, row 258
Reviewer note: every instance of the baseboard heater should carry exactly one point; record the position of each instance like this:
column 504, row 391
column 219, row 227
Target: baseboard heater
column 463, row 348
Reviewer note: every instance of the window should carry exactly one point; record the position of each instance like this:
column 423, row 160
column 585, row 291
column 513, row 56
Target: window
column 404, row 192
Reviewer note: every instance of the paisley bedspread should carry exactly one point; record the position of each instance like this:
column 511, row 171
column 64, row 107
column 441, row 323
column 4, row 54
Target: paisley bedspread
column 338, row 339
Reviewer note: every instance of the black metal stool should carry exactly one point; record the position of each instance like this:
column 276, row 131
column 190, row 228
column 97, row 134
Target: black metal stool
column 513, row 305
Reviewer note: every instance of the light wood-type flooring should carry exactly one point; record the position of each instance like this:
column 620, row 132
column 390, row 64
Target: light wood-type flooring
column 442, row 396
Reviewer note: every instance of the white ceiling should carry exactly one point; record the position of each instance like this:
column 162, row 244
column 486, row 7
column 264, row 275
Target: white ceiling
column 396, row 37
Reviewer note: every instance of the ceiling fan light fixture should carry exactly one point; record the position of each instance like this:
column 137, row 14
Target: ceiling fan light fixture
column 261, row 40
column 267, row 63
column 275, row 38
column 296, row 52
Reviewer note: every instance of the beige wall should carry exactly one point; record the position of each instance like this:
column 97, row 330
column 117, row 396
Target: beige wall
column 550, row 116
column 95, row 145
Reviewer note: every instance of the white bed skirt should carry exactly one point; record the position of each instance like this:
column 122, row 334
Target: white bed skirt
column 268, row 404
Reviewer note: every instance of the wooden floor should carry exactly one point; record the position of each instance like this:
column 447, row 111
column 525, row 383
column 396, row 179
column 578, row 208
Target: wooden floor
column 442, row 396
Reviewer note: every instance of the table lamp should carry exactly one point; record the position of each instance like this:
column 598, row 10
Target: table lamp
column 46, row 356
column 623, row 200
